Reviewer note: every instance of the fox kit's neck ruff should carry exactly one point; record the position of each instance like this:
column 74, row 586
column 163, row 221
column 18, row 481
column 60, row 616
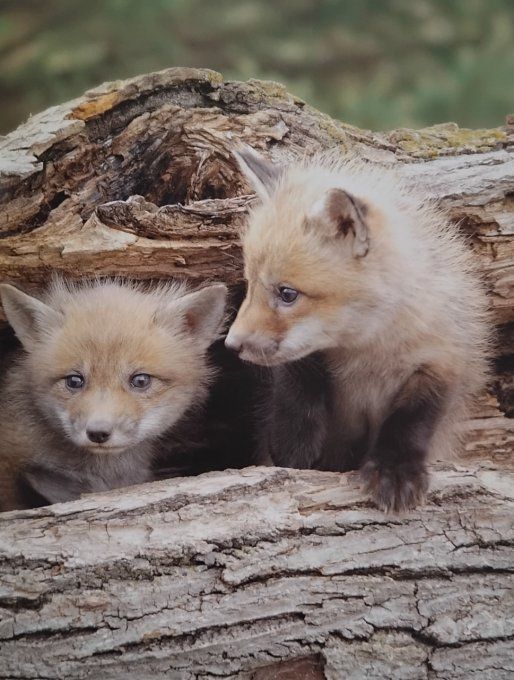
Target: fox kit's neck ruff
column 107, row 368
column 340, row 257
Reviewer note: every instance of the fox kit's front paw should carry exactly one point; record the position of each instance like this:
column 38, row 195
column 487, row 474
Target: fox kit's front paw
column 395, row 488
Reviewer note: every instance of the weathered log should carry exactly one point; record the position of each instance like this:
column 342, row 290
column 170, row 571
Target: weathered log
column 264, row 573
column 261, row 573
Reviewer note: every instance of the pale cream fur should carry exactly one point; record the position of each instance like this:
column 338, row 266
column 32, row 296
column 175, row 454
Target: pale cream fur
column 106, row 331
column 414, row 300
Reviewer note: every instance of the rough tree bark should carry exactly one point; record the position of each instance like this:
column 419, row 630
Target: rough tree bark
column 261, row 573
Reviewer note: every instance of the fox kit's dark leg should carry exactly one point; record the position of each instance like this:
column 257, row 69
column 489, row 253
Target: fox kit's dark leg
column 296, row 415
column 394, row 471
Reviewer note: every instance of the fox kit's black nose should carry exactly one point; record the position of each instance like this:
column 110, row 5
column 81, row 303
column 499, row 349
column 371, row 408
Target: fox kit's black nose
column 98, row 436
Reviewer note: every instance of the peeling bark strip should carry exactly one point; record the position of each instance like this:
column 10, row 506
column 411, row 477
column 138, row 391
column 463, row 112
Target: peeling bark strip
column 262, row 574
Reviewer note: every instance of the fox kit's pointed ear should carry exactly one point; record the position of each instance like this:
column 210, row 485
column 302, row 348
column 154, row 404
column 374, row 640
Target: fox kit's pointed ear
column 27, row 315
column 203, row 312
column 261, row 174
column 347, row 215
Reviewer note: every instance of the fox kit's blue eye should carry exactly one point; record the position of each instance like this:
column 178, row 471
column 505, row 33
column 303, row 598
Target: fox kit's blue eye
column 287, row 295
column 140, row 381
column 74, row 381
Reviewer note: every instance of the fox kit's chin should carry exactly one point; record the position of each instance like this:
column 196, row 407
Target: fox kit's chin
column 261, row 359
column 106, row 450
column 280, row 356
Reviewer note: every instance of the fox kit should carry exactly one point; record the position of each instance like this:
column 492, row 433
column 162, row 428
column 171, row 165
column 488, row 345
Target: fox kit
column 106, row 369
column 347, row 267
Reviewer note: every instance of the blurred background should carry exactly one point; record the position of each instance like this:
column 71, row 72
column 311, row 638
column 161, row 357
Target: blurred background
column 374, row 63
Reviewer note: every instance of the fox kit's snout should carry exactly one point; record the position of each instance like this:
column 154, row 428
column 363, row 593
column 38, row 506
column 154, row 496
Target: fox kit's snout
column 346, row 263
column 106, row 369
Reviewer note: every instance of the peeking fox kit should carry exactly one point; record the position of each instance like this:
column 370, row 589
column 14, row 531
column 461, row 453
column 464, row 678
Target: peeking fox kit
column 349, row 268
column 106, row 369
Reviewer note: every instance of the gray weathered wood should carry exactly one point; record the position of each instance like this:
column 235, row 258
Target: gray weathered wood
column 232, row 572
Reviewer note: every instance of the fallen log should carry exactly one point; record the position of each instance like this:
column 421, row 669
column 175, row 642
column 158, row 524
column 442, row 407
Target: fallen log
column 261, row 573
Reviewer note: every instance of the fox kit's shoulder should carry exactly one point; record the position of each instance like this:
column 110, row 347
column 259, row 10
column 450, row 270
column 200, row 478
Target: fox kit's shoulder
column 106, row 368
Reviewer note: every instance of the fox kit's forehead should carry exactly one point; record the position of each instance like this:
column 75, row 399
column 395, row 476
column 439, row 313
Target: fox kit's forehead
column 283, row 214
column 301, row 263
column 108, row 299
column 277, row 229
column 117, row 327
column 110, row 330
column 117, row 347
column 293, row 238
column 281, row 246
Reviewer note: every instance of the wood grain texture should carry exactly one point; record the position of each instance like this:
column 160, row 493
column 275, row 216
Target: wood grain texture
column 261, row 573
column 230, row 574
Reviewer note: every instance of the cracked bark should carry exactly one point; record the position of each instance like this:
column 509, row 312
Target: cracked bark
column 261, row 573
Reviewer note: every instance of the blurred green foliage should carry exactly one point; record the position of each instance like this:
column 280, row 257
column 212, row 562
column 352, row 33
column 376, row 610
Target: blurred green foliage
column 374, row 63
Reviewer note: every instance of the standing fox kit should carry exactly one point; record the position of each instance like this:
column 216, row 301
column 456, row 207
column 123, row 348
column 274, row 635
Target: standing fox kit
column 106, row 369
column 350, row 269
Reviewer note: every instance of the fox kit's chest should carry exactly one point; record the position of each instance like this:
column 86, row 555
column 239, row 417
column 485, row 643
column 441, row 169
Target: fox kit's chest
column 86, row 473
column 363, row 390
